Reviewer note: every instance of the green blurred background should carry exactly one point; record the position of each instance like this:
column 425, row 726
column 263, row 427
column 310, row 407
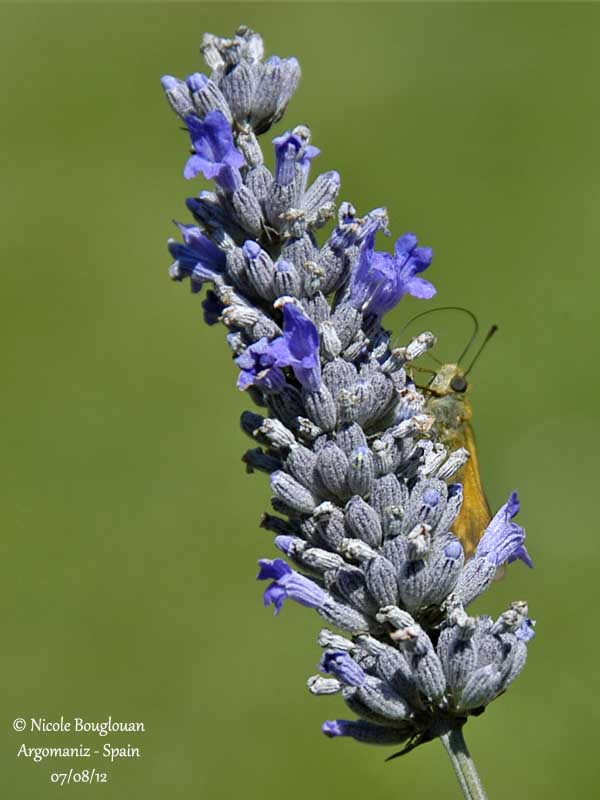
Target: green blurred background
column 130, row 531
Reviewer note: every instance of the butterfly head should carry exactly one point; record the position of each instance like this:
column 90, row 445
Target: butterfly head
column 449, row 379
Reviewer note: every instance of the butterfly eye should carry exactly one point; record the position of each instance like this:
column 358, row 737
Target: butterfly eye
column 458, row 383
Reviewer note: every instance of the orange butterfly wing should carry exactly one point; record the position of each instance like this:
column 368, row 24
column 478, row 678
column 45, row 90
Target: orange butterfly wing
column 475, row 513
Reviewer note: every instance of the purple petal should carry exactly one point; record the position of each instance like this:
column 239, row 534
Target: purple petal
column 197, row 164
column 214, row 152
column 503, row 540
column 287, row 148
column 193, row 167
column 419, row 287
column 245, row 360
column 206, row 250
column 275, row 595
column 234, row 159
column 299, row 347
column 381, row 280
column 521, row 554
column 333, row 727
column 287, row 138
column 405, row 245
column 422, row 256
column 194, row 125
column 276, row 568
column 300, row 332
column 245, row 379
column 211, row 305
column 216, row 136
column 281, row 352
column 513, row 506
column 310, row 152
column 261, row 347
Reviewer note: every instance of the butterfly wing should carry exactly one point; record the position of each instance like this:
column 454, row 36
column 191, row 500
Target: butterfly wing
column 475, row 513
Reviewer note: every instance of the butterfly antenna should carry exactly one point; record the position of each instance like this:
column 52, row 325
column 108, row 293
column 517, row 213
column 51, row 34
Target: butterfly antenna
column 448, row 308
column 441, row 308
column 473, row 335
column 490, row 333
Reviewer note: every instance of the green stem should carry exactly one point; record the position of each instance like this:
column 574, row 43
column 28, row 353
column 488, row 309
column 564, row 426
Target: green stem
column 463, row 764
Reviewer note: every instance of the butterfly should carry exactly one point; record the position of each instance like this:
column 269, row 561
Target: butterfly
column 447, row 401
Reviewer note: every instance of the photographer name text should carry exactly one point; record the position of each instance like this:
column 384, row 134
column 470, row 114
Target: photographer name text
column 77, row 725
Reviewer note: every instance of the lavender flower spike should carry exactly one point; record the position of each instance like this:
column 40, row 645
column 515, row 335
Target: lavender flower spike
column 363, row 483
column 214, row 153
